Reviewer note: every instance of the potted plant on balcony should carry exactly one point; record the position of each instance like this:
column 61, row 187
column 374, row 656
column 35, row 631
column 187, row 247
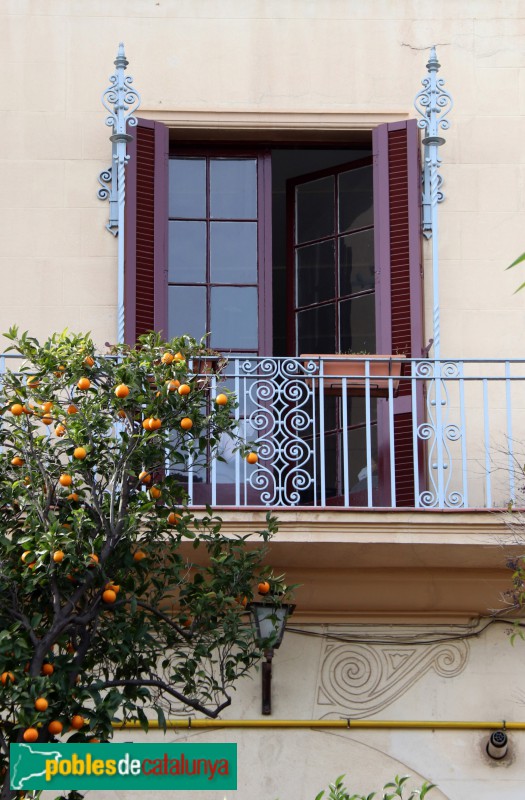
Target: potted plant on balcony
column 353, row 367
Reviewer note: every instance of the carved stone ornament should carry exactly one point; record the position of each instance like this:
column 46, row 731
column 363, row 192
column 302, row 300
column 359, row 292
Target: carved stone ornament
column 361, row 679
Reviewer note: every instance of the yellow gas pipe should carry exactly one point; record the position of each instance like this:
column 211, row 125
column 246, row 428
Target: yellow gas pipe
column 190, row 724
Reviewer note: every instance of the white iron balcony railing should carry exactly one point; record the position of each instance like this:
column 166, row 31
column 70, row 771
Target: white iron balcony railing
column 334, row 431
column 442, row 434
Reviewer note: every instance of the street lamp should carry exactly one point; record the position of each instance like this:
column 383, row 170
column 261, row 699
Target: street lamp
column 270, row 622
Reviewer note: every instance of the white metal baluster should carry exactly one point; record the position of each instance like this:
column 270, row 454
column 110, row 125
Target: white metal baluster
column 344, row 403
column 510, row 443
column 415, row 427
column 393, row 500
column 237, row 418
column 322, row 433
column 463, row 424
column 368, row 434
column 486, row 427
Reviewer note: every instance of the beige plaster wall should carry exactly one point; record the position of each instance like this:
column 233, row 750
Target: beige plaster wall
column 194, row 57
column 378, row 673
column 322, row 63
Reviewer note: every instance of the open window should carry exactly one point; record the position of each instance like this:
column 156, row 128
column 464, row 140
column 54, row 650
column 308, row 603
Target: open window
column 211, row 249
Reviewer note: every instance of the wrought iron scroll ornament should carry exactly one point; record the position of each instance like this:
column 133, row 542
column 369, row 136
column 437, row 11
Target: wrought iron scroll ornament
column 281, row 419
column 432, row 104
column 121, row 100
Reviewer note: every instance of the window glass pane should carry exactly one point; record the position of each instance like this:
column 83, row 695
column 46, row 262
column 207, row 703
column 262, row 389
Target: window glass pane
column 357, row 324
column 357, row 463
column 315, row 273
column 355, row 199
column 226, row 471
column 315, row 210
column 356, row 262
column 233, row 188
column 187, row 252
column 186, row 311
column 187, row 187
column 234, row 317
column 316, row 330
column 233, row 252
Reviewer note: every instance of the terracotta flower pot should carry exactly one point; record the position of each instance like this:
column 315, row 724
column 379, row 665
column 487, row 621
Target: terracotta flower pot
column 353, row 367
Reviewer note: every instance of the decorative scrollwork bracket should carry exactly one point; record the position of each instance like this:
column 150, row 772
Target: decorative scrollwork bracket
column 432, row 104
column 121, row 100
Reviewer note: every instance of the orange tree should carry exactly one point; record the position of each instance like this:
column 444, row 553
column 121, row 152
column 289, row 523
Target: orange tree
column 103, row 613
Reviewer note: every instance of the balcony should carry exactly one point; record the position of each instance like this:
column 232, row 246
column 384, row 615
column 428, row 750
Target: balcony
column 446, row 436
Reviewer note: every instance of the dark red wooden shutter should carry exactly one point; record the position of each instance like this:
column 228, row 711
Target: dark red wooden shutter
column 146, row 229
column 399, row 292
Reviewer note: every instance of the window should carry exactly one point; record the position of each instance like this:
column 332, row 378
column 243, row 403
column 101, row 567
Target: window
column 344, row 275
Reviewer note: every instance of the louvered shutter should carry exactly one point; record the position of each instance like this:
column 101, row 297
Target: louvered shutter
column 399, row 292
column 146, row 228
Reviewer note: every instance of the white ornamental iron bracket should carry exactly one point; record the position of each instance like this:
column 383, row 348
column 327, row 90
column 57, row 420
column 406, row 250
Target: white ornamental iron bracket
column 432, row 104
column 121, row 101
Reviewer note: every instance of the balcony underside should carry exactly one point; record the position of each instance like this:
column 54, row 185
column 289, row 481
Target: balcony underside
column 388, row 565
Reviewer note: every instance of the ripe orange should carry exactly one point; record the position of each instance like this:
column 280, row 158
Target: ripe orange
column 32, row 381
column 77, row 722
column 174, row 518
column 93, row 559
column 109, row 596
column 184, row 389
column 172, row 385
column 25, row 555
column 167, row 358
column 17, row 461
column 60, row 430
column 73, row 498
column 178, row 356
column 60, row 369
column 138, row 555
column 7, row 676
column 155, row 423
column 146, row 423
column 30, row 735
column 72, row 409
column 155, row 492
column 84, row 384
column 65, row 480
column 186, row 424
column 80, row 453
column 47, row 669
column 263, row 587
column 41, row 704
column 58, row 556
column 122, row 390
column 55, row 727
column 122, row 413
column 89, row 361
column 145, row 477
column 252, row 458
column 17, row 409
column 47, row 419
column 221, row 400
column 114, row 587
column 47, row 406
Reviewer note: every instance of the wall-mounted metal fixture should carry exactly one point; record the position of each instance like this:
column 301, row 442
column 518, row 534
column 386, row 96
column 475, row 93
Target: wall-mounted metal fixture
column 498, row 745
column 121, row 100
column 270, row 622
column 433, row 104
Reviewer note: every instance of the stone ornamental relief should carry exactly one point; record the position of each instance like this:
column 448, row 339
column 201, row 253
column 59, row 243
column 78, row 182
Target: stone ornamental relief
column 361, row 679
